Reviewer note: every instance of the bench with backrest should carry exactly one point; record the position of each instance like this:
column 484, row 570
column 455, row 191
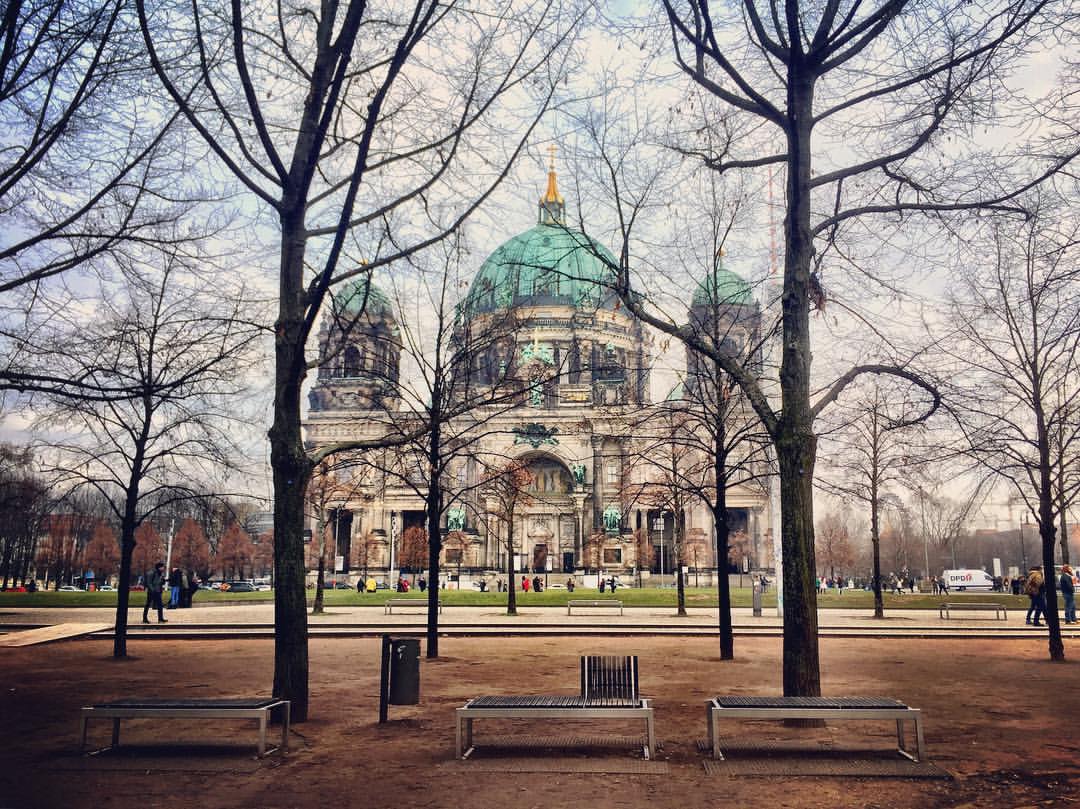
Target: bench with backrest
column 999, row 609
column 779, row 708
column 225, row 709
column 609, row 690
column 417, row 603
column 593, row 603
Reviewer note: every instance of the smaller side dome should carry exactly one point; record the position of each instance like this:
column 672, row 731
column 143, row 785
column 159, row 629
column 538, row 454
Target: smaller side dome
column 361, row 296
column 725, row 288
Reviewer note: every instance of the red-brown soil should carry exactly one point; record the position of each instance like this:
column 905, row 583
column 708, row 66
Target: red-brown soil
column 999, row 716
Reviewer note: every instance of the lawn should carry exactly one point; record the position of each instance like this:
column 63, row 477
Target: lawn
column 630, row 596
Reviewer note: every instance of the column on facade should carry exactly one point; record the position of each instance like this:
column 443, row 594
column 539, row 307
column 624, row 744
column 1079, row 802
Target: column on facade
column 597, row 442
column 754, row 527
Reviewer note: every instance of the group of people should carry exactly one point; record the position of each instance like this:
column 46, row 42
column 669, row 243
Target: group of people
column 182, row 586
column 537, row 584
column 1035, row 590
column 611, row 583
column 939, row 586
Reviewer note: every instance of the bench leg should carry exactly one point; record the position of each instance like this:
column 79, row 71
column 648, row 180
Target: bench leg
column 262, row 733
column 463, row 743
column 650, row 737
column 285, row 728
column 82, row 732
column 919, row 743
column 116, row 732
column 900, row 737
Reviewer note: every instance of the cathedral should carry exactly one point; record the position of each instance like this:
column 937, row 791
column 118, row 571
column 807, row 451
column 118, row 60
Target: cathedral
column 539, row 313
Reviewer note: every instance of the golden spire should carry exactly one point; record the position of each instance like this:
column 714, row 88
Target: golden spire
column 552, row 194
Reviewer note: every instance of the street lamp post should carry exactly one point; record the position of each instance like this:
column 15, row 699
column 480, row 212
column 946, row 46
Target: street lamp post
column 1023, row 546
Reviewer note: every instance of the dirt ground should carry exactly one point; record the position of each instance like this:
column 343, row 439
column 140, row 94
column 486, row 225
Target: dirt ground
column 999, row 717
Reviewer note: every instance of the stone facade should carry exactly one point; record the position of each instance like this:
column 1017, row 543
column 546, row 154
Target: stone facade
column 583, row 365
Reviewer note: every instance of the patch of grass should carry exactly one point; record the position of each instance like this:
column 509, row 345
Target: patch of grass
column 630, row 596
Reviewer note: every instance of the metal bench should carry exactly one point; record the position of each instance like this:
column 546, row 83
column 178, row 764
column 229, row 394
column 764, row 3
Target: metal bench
column 421, row 603
column 594, row 603
column 609, row 690
column 999, row 609
column 258, row 709
column 720, row 708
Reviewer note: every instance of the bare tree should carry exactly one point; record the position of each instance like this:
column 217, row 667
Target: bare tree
column 356, row 126
column 187, row 348
column 865, row 455
column 327, row 492
column 1018, row 318
column 24, row 504
column 667, row 473
column 888, row 81
column 835, row 545
column 468, row 372
column 506, row 492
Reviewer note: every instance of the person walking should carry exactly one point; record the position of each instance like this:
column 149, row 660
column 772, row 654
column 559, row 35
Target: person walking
column 1068, row 592
column 1034, row 589
column 524, row 584
column 155, row 585
column 175, row 585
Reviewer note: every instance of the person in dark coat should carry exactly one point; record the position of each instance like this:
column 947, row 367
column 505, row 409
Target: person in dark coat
column 155, row 584
column 1068, row 593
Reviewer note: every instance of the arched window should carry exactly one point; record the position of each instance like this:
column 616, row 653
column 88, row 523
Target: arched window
column 549, row 477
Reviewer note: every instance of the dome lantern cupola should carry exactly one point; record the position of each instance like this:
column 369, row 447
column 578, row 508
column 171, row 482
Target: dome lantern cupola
column 552, row 205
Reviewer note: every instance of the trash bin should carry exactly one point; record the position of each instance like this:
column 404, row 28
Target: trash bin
column 404, row 671
column 757, row 600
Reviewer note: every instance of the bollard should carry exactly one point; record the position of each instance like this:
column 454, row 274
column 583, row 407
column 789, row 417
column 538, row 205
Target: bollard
column 757, row 600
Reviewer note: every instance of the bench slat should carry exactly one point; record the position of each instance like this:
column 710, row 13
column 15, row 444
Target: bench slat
column 193, row 704
column 823, row 703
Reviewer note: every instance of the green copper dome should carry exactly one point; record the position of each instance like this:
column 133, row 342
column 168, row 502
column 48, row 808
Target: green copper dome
column 723, row 287
column 353, row 296
column 546, row 265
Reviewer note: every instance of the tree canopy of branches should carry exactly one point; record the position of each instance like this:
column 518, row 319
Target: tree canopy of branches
column 90, row 170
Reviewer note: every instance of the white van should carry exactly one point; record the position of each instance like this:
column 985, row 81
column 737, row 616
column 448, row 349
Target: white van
column 968, row 580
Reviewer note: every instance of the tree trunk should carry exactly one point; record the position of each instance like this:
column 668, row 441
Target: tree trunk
column 320, row 577
column 721, row 531
column 434, row 515
column 875, row 541
column 511, row 597
column 123, row 588
column 292, row 470
column 795, row 442
column 680, row 526
column 1047, row 532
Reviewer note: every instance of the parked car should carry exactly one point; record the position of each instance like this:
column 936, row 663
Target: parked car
column 238, row 587
column 263, row 588
column 69, row 588
column 106, row 588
